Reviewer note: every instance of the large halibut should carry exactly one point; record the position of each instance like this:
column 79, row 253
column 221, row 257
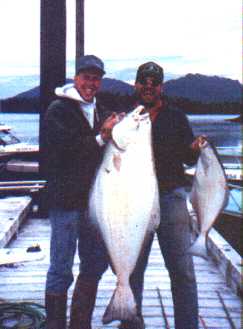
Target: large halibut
column 209, row 195
column 124, row 204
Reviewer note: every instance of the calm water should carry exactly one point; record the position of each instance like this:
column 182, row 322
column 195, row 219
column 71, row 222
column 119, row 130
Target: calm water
column 24, row 126
column 221, row 131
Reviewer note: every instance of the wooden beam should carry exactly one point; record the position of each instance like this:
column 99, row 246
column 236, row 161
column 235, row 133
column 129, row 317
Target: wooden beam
column 53, row 48
column 79, row 29
column 52, row 63
column 52, row 55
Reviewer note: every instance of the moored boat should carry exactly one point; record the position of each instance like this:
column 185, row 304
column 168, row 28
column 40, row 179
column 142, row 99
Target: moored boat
column 229, row 223
column 18, row 160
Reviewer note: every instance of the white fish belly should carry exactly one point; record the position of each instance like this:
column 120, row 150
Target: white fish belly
column 125, row 205
column 209, row 191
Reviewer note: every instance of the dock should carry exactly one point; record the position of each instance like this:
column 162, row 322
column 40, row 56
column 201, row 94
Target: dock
column 219, row 278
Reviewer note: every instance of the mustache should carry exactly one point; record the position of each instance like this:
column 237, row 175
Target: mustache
column 148, row 89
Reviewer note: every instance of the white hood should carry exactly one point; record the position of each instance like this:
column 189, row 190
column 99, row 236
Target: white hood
column 68, row 91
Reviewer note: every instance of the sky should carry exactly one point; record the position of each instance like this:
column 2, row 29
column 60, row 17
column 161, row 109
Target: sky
column 190, row 36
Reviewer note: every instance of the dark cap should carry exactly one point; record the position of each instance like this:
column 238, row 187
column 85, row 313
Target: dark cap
column 150, row 69
column 88, row 62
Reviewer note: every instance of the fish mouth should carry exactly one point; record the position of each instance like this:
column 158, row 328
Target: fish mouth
column 144, row 116
column 203, row 143
column 140, row 113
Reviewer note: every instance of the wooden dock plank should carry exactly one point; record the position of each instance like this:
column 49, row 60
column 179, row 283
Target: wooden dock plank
column 228, row 260
column 13, row 211
column 26, row 282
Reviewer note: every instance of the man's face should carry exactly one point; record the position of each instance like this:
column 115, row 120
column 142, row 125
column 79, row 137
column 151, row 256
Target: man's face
column 148, row 91
column 88, row 82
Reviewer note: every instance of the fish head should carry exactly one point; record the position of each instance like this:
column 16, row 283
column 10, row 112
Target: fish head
column 132, row 124
column 203, row 143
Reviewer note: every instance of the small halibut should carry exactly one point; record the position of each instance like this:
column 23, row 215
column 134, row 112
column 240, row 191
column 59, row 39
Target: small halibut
column 124, row 205
column 209, row 195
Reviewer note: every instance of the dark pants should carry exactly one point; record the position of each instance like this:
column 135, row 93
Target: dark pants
column 174, row 239
column 67, row 229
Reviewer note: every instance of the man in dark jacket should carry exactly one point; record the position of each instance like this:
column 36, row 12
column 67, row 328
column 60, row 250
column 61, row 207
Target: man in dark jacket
column 76, row 127
column 173, row 145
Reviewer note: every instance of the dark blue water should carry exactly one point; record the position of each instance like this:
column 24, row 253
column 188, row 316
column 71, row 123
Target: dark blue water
column 220, row 131
column 24, row 126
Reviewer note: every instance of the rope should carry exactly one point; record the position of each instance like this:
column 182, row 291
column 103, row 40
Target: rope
column 23, row 315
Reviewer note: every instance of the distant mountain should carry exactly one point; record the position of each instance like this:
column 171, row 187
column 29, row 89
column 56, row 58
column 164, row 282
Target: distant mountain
column 192, row 88
column 29, row 101
column 129, row 75
column 206, row 89
column 11, row 86
column 114, row 86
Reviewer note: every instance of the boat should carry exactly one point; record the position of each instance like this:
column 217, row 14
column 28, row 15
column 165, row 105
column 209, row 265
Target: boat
column 17, row 159
column 229, row 223
column 231, row 158
column 11, row 145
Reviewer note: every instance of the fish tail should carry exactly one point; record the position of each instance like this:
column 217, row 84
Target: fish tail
column 199, row 247
column 122, row 305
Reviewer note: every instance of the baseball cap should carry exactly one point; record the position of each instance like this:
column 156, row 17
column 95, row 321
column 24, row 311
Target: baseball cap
column 88, row 62
column 150, row 69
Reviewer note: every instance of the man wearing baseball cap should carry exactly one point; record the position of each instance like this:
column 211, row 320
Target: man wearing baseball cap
column 173, row 145
column 76, row 127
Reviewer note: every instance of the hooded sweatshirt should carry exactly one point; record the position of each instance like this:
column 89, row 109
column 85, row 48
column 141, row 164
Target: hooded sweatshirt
column 72, row 147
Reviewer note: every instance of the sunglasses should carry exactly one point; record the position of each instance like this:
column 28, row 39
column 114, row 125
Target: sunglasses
column 154, row 81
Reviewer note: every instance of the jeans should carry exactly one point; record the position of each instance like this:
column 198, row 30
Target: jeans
column 67, row 229
column 174, row 238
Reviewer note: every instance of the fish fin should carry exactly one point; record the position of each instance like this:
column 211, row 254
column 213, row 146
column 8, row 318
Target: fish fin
column 117, row 161
column 191, row 210
column 199, row 247
column 154, row 222
column 122, row 305
column 192, row 215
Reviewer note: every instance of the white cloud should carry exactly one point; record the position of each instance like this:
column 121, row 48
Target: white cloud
column 207, row 34
column 19, row 29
